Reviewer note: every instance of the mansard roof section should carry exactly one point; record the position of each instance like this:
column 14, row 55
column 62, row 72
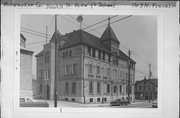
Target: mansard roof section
column 109, row 34
column 57, row 35
column 83, row 37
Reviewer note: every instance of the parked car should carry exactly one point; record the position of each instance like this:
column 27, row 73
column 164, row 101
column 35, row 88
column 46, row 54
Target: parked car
column 119, row 102
column 154, row 104
column 29, row 102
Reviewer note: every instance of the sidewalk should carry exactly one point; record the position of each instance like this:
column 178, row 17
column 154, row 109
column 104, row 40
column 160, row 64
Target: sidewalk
column 74, row 104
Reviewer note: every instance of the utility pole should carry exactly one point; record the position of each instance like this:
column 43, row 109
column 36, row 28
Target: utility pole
column 45, row 83
column 150, row 73
column 55, row 79
column 129, row 67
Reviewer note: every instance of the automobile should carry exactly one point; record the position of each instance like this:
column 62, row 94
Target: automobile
column 154, row 103
column 30, row 102
column 119, row 102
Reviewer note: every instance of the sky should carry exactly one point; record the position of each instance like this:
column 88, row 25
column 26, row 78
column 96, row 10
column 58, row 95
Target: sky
column 135, row 33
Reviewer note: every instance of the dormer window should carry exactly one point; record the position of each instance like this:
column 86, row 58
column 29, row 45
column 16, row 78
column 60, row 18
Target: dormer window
column 89, row 51
column 103, row 57
column 94, row 53
column 99, row 54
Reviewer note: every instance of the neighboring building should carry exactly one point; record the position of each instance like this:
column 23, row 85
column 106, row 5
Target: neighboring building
column 89, row 69
column 25, row 69
column 146, row 89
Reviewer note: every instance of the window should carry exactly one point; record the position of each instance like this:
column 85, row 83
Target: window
column 136, row 88
column 90, row 68
column 74, row 88
column 126, row 89
column 70, row 53
column 90, row 87
column 74, row 69
column 140, row 88
column 67, row 88
column 66, row 54
column 115, row 89
column 124, row 76
column 41, row 73
column 103, row 57
column 73, row 100
column 98, row 99
column 99, row 54
column 90, row 99
column 108, row 72
column 120, row 74
column 114, row 73
column 98, row 70
column 47, row 57
column 89, row 51
column 120, row 89
column 47, row 74
column 68, row 69
column 108, row 88
column 98, row 87
column 40, row 88
column 94, row 53
column 114, row 61
column 144, row 87
column 109, row 58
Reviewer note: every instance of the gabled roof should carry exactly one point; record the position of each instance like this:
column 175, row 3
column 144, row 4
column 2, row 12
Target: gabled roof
column 83, row 37
column 153, row 81
column 109, row 35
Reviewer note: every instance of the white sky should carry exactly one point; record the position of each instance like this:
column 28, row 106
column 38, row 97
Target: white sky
column 138, row 33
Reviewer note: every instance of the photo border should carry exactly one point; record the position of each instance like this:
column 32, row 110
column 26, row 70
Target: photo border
column 122, row 10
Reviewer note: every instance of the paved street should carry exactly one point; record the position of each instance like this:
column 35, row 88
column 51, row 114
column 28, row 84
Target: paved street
column 136, row 104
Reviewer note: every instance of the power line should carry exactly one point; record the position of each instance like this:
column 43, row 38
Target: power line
column 111, row 22
column 35, row 34
column 121, row 19
column 142, row 58
column 69, row 20
column 86, row 25
column 99, row 22
column 141, row 71
column 34, row 31
column 36, row 42
column 35, row 46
